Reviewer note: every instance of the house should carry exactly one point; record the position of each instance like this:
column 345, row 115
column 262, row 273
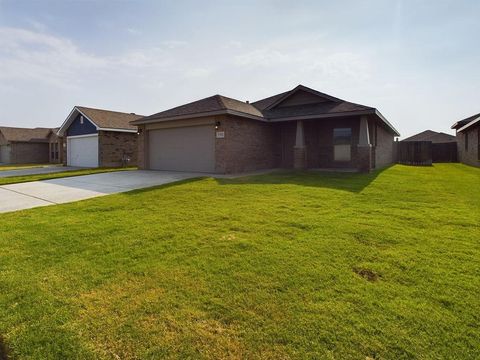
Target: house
column 99, row 138
column 300, row 128
column 26, row 146
column 468, row 140
column 433, row 136
column 55, row 147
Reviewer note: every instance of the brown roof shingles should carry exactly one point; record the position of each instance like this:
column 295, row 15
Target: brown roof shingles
column 433, row 136
column 14, row 134
column 110, row 119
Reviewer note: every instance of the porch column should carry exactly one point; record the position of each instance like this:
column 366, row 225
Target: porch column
column 364, row 148
column 299, row 150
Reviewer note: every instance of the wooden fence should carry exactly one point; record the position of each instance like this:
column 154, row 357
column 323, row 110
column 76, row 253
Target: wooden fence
column 424, row 153
column 414, row 152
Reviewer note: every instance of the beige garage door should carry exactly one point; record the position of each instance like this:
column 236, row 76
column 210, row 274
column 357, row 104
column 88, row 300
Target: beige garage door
column 183, row 149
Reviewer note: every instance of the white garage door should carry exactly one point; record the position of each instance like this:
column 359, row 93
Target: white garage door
column 183, row 149
column 82, row 151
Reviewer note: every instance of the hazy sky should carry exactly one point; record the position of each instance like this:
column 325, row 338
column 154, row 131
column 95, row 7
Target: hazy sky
column 417, row 61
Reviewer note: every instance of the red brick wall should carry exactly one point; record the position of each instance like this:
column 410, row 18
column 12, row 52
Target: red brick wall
column 248, row 145
column 112, row 146
column 29, row 153
column 383, row 147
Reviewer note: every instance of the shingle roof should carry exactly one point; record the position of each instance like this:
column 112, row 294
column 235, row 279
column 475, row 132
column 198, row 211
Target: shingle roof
column 209, row 104
column 433, row 136
column 14, row 134
column 266, row 109
column 464, row 122
column 110, row 119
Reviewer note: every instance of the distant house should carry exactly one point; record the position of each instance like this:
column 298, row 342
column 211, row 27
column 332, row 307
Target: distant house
column 300, row 128
column 99, row 138
column 24, row 145
column 433, row 136
column 468, row 139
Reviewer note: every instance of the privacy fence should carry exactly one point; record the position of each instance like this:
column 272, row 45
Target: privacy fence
column 424, row 153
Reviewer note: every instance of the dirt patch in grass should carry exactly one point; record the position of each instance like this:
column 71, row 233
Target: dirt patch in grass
column 367, row 274
column 3, row 349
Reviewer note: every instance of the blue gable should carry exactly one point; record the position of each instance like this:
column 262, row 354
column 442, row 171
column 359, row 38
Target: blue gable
column 76, row 128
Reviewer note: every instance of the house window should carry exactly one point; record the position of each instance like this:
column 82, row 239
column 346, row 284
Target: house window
column 342, row 144
column 466, row 141
column 81, row 119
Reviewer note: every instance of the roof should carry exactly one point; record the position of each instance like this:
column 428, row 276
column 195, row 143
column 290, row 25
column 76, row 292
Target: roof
column 216, row 103
column 464, row 122
column 105, row 120
column 14, row 134
column 433, row 136
column 268, row 109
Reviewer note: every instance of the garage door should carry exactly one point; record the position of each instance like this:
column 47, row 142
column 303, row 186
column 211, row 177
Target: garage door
column 5, row 154
column 183, row 149
column 82, row 151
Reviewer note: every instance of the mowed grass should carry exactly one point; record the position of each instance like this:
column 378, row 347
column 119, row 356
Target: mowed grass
column 56, row 175
column 5, row 167
column 279, row 266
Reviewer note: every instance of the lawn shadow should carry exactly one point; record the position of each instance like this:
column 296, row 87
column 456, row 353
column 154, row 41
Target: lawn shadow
column 3, row 349
column 352, row 182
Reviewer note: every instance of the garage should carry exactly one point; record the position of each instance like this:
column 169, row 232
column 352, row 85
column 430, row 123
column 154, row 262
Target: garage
column 82, row 151
column 189, row 148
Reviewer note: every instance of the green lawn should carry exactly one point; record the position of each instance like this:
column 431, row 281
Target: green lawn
column 57, row 175
column 280, row 266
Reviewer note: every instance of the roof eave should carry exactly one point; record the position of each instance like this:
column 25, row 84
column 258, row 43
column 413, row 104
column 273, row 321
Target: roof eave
column 197, row 115
column 466, row 126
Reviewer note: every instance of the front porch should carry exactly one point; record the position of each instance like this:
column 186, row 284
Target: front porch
column 346, row 143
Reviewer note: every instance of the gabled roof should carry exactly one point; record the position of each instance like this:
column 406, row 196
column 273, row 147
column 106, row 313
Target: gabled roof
column 433, row 136
column 209, row 105
column 269, row 109
column 14, row 134
column 105, row 120
column 464, row 122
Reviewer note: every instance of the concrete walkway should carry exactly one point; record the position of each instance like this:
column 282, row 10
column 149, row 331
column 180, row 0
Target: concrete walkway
column 58, row 191
column 37, row 170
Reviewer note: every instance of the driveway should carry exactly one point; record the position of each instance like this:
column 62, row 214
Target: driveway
column 58, row 191
column 38, row 170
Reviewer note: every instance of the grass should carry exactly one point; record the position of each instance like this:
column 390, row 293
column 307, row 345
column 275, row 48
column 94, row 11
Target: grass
column 6, row 167
column 26, row 178
column 279, row 266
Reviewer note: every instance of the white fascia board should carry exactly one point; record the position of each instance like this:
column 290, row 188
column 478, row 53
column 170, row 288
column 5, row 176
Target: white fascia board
column 118, row 130
column 81, row 136
column 469, row 124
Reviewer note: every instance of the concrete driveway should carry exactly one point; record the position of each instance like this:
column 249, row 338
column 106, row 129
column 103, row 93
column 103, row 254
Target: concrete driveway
column 58, row 191
column 38, row 170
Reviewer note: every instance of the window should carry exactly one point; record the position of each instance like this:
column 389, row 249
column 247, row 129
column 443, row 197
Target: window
column 466, row 141
column 81, row 119
column 342, row 144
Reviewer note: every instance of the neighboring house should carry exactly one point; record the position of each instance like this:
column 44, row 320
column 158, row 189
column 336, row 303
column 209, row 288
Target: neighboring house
column 433, row 136
column 468, row 140
column 300, row 128
column 24, row 146
column 55, row 147
column 99, row 138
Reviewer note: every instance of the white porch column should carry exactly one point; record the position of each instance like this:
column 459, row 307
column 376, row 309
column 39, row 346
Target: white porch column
column 364, row 136
column 299, row 150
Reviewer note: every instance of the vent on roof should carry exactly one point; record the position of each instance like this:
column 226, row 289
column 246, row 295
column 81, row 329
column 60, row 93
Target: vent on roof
column 133, row 114
column 247, row 102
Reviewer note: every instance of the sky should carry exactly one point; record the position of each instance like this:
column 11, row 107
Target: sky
column 417, row 62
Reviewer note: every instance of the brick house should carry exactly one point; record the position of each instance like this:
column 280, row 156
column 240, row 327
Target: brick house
column 24, row 145
column 300, row 128
column 99, row 138
column 468, row 140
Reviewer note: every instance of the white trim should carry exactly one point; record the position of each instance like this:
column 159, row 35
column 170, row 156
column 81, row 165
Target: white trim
column 81, row 136
column 118, row 130
column 466, row 126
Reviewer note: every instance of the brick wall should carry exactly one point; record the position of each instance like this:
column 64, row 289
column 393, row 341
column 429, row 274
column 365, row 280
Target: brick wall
column 112, row 146
column 29, row 153
column 141, row 156
column 383, row 147
column 469, row 156
column 248, row 145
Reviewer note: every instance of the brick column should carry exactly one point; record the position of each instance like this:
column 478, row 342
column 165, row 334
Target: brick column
column 300, row 150
column 364, row 148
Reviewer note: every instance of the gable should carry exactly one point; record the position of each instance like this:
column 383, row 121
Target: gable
column 77, row 128
column 302, row 97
